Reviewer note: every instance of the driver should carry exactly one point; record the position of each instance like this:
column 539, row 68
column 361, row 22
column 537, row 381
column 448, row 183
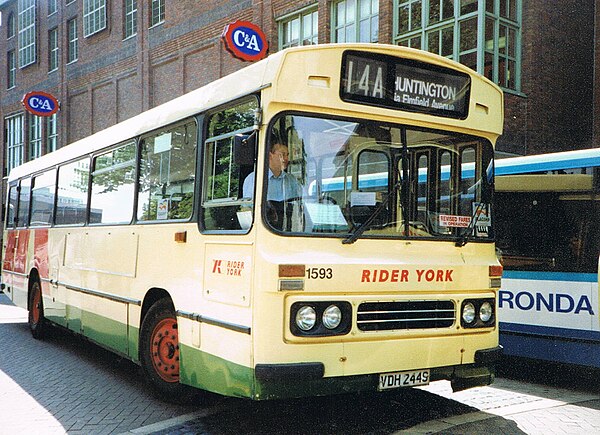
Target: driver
column 282, row 186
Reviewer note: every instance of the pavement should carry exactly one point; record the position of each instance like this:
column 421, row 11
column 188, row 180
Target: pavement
column 95, row 392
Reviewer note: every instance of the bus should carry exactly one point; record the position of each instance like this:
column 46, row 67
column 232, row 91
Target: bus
column 547, row 209
column 145, row 239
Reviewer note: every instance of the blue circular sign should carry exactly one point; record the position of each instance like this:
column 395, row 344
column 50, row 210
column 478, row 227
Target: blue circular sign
column 245, row 41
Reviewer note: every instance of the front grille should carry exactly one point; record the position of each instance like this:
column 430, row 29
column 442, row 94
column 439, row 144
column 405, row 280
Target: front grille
column 385, row 316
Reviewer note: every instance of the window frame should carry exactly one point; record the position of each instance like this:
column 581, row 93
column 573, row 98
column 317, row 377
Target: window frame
column 52, row 133
column 356, row 23
column 87, row 193
column 34, row 136
column 27, row 32
column 53, row 50
column 94, row 173
column 95, row 17
column 14, row 149
column 52, row 7
column 203, row 163
column 11, row 26
column 299, row 15
column 11, row 69
column 483, row 17
column 72, row 40
column 167, row 128
column 157, row 13
column 50, row 171
column 130, row 18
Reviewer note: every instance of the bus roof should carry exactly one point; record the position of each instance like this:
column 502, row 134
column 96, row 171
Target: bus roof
column 548, row 162
column 485, row 113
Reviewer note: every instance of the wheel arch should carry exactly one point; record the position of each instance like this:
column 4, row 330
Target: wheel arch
column 152, row 296
column 34, row 276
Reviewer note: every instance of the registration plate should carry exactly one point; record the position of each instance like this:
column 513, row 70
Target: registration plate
column 413, row 378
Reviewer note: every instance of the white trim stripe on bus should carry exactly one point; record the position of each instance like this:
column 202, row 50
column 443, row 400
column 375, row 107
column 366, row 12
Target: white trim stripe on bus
column 202, row 319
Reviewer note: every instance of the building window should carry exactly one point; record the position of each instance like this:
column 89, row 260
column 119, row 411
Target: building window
column 301, row 28
column 72, row 48
column 355, row 21
column 53, row 49
column 130, row 22
column 157, row 14
column 10, row 26
column 52, row 6
column 14, row 141
column 35, row 136
column 11, row 69
column 451, row 28
column 27, row 33
column 94, row 16
column 52, row 133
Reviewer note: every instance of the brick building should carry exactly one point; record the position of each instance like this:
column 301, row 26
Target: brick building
column 108, row 60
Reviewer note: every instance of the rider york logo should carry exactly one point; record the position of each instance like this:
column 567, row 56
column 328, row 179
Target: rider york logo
column 228, row 267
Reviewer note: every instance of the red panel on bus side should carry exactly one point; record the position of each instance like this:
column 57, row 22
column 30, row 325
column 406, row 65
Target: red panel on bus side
column 20, row 263
column 9, row 253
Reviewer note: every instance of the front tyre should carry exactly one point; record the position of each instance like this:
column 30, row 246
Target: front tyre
column 159, row 352
column 37, row 323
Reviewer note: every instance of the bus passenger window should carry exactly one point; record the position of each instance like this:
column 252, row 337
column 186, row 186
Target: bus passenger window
column 223, row 204
column 167, row 173
column 113, row 186
column 12, row 207
column 24, row 196
column 42, row 198
column 72, row 194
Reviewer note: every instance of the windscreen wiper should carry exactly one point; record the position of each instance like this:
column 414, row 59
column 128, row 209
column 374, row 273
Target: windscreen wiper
column 464, row 237
column 361, row 229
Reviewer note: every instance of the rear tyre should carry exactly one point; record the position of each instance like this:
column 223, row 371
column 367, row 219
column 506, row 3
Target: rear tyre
column 159, row 353
column 37, row 323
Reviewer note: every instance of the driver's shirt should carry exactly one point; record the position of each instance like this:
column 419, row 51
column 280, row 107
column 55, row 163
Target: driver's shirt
column 280, row 188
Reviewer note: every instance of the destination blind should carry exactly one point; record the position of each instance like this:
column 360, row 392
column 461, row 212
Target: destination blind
column 404, row 84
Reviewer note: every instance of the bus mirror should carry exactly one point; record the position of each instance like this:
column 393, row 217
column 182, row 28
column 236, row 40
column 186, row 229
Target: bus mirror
column 244, row 149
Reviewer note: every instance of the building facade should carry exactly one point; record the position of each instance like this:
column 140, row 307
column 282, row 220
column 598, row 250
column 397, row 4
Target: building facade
column 107, row 60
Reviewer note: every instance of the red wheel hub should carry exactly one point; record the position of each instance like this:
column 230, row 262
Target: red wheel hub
column 165, row 350
column 36, row 306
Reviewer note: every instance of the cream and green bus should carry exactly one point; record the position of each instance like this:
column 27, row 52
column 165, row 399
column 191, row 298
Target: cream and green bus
column 318, row 222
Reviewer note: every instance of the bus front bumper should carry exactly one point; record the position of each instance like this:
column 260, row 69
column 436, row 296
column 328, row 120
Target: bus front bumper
column 308, row 378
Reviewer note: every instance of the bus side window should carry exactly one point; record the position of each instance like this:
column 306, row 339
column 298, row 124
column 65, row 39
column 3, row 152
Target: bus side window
column 223, row 204
column 167, row 174
column 13, row 198
column 113, row 185
column 42, row 198
column 24, row 197
column 72, row 193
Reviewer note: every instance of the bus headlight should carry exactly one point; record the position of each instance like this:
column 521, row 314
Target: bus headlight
column 478, row 313
column 306, row 317
column 332, row 317
column 468, row 313
column 320, row 318
column 486, row 312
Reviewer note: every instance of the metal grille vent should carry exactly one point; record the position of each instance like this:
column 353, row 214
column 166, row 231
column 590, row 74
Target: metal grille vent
column 385, row 316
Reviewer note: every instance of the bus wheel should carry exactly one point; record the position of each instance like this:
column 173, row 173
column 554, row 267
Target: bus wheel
column 159, row 351
column 37, row 323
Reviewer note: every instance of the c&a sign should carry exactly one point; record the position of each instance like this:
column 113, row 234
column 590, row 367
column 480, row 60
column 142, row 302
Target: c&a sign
column 40, row 103
column 245, row 41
